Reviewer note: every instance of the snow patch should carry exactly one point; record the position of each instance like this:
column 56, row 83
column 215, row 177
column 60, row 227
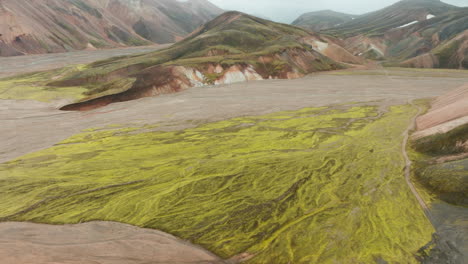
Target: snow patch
column 409, row 24
column 430, row 16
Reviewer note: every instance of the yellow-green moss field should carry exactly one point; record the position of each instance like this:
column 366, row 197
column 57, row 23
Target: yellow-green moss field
column 35, row 86
column 318, row 185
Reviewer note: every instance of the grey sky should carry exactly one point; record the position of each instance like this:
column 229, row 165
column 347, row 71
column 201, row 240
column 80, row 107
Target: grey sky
column 288, row 10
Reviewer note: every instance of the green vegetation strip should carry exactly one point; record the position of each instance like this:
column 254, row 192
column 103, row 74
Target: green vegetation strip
column 445, row 180
column 318, row 185
column 33, row 86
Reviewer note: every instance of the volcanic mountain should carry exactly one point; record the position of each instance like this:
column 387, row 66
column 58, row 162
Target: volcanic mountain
column 397, row 15
column 441, row 42
column 44, row 26
column 233, row 47
column 324, row 19
column 162, row 21
column 412, row 33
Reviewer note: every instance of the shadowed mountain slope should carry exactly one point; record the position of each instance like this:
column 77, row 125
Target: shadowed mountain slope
column 44, row 26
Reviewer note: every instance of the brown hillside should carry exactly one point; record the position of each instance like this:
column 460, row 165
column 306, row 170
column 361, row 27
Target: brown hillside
column 45, row 26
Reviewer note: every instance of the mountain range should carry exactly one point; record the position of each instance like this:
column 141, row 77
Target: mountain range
column 234, row 47
column 45, row 26
column 410, row 33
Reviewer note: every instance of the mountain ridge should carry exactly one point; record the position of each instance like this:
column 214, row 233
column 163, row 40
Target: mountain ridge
column 409, row 33
column 48, row 26
column 233, row 47
column 322, row 19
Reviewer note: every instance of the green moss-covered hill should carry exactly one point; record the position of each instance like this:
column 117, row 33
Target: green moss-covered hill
column 233, row 47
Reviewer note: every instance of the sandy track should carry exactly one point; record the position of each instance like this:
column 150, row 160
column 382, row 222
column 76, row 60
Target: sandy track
column 408, row 164
column 23, row 64
column 95, row 242
column 29, row 126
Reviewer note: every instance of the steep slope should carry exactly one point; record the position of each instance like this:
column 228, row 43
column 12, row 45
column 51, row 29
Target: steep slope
column 397, row 15
column 447, row 112
column 54, row 26
column 44, row 26
column 411, row 33
column 324, row 19
column 442, row 139
column 441, row 42
column 162, row 21
column 234, row 47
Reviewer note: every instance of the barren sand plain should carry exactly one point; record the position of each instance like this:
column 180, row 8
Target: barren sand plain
column 30, row 126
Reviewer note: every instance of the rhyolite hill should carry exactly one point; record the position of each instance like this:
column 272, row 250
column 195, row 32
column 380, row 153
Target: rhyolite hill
column 233, row 47
column 40, row 26
column 410, row 33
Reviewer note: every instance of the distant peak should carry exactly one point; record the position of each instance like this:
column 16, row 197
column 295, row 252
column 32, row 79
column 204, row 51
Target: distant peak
column 231, row 15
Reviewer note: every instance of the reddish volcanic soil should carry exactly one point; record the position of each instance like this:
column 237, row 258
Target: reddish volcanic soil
column 95, row 242
column 446, row 108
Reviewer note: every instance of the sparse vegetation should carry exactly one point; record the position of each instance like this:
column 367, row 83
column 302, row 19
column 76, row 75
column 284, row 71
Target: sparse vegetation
column 34, row 86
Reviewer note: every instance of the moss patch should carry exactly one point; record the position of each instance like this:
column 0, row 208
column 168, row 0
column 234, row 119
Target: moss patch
column 318, row 185
column 33, row 86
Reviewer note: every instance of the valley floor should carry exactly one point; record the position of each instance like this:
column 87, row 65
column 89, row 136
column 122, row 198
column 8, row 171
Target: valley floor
column 10, row 66
column 29, row 126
